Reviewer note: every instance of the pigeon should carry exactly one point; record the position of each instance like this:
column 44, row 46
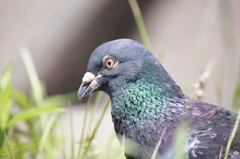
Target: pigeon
column 147, row 105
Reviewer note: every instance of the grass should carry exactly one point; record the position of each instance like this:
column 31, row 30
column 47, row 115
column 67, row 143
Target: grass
column 140, row 23
column 236, row 125
column 31, row 131
column 154, row 155
column 34, row 121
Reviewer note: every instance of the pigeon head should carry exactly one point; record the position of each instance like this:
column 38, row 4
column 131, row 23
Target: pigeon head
column 117, row 62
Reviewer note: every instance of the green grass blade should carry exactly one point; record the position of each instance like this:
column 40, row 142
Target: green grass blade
column 209, row 18
column 95, row 129
column 47, row 130
column 236, row 96
column 5, row 96
column 32, row 73
column 27, row 147
column 154, row 155
column 5, row 102
column 94, row 108
column 5, row 115
column 231, row 54
column 227, row 30
column 72, row 132
column 84, row 127
column 5, row 79
column 97, row 99
column 123, row 145
column 5, row 87
column 218, row 81
column 8, row 146
column 63, row 142
column 180, row 141
column 140, row 23
column 162, row 51
column 220, row 154
column 46, row 133
column 32, row 112
column 232, row 135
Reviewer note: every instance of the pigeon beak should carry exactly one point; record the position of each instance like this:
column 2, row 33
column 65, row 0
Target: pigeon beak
column 89, row 84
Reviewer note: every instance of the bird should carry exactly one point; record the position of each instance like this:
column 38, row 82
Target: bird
column 147, row 105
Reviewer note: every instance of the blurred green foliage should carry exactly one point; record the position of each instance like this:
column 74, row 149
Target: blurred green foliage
column 27, row 122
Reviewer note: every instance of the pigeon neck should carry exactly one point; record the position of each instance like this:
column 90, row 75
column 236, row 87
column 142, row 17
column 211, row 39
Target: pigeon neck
column 153, row 90
column 145, row 108
column 143, row 100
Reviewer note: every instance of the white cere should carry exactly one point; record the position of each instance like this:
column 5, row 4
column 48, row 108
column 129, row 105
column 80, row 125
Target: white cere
column 88, row 77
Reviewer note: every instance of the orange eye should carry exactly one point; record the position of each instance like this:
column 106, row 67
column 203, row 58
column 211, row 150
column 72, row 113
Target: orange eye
column 109, row 63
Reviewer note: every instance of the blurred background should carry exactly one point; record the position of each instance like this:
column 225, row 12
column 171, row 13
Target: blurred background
column 61, row 36
column 188, row 36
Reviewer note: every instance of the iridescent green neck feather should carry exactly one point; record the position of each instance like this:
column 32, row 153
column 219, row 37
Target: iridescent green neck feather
column 141, row 106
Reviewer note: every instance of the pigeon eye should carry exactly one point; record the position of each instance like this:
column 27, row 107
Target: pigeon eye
column 109, row 62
